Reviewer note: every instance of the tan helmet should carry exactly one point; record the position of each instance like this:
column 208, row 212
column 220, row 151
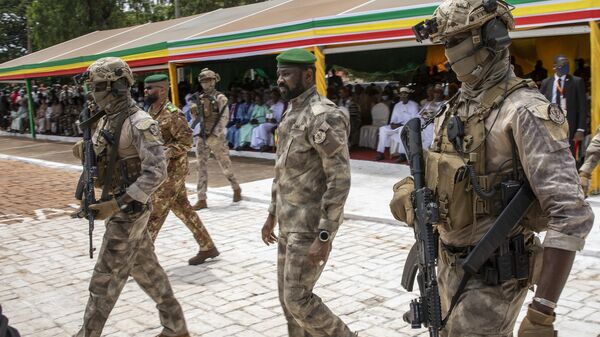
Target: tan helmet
column 207, row 74
column 454, row 17
column 109, row 69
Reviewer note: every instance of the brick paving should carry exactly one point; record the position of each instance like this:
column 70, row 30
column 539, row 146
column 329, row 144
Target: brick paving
column 45, row 270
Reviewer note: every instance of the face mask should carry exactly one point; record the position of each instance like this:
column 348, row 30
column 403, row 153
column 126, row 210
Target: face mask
column 102, row 99
column 562, row 70
column 384, row 97
column 465, row 60
column 151, row 99
column 208, row 86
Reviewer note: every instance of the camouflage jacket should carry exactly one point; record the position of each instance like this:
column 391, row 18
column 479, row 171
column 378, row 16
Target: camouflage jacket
column 312, row 171
column 140, row 137
column 176, row 133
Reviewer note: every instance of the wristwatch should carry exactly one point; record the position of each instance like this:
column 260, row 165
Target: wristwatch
column 324, row 235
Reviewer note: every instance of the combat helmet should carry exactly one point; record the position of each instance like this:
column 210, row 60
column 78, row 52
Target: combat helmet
column 477, row 17
column 109, row 69
column 208, row 74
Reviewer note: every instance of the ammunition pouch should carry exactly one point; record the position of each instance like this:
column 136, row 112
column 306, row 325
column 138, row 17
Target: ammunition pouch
column 125, row 173
column 514, row 260
column 447, row 176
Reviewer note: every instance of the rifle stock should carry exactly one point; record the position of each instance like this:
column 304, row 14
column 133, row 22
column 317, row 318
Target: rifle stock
column 426, row 310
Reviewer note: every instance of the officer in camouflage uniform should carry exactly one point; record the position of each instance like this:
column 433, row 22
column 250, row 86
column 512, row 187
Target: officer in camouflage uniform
column 212, row 112
column 312, row 181
column 172, row 195
column 131, row 166
column 592, row 157
column 504, row 117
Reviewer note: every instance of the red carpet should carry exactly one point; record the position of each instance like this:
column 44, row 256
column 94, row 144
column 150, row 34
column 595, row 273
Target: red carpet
column 361, row 153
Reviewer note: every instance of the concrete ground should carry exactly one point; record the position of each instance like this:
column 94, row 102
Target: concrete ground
column 45, row 270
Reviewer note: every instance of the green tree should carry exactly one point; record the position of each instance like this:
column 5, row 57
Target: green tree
column 13, row 29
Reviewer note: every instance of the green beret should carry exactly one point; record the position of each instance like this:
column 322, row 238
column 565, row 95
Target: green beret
column 156, row 78
column 296, row 56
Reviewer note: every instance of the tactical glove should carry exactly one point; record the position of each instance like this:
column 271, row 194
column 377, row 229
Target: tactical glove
column 78, row 150
column 105, row 209
column 401, row 206
column 585, row 182
column 537, row 324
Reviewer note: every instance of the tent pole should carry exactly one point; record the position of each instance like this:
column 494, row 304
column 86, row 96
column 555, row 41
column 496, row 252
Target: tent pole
column 320, row 75
column 30, row 108
column 595, row 79
column 173, row 83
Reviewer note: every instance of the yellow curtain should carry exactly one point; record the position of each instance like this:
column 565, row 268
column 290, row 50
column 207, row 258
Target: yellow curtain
column 595, row 107
column 528, row 51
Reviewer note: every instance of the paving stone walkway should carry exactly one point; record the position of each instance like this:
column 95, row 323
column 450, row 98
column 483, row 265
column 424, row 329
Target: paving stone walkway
column 45, row 270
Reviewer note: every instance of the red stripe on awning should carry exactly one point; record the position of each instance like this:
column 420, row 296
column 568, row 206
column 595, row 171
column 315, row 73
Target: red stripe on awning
column 558, row 17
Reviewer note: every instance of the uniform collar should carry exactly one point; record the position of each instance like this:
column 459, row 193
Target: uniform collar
column 158, row 111
column 304, row 98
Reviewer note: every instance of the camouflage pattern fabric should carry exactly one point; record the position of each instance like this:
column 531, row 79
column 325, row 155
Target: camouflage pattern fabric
column 126, row 246
column 312, row 171
column 312, row 181
column 305, row 312
column 592, row 154
column 482, row 310
column 216, row 144
column 172, row 194
column 128, row 250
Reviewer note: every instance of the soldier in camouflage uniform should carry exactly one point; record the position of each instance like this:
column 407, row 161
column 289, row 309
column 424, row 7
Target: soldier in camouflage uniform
column 131, row 166
column 592, row 157
column 312, row 181
column 172, row 195
column 212, row 112
column 504, row 117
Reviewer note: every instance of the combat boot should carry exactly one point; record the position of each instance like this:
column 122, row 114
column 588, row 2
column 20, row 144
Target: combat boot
column 184, row 335
column 203, row 256
column 200, row 204
column 237, row 195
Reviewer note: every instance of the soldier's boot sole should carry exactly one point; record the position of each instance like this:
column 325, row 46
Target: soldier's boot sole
column 200, row 204
column 202, row 256
column 237, row 195
column 184, row 335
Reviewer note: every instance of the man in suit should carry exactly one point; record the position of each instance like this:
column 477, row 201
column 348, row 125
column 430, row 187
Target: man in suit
column 568, row 92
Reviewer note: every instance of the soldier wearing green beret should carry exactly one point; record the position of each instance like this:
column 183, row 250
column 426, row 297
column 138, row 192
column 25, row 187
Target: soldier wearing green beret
column 172, row 195
column 312, row 181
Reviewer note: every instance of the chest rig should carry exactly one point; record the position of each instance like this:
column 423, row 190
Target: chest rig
column 209, row 109
column 456, row 164
column 114, row 174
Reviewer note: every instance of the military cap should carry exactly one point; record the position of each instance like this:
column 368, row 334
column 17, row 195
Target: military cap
column 296, row 56
column 156, row 78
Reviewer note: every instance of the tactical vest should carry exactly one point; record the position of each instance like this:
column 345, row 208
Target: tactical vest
column 209, row 108
column 114, row 174
column 448, row 171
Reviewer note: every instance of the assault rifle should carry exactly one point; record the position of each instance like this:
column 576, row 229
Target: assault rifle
column 426, row 310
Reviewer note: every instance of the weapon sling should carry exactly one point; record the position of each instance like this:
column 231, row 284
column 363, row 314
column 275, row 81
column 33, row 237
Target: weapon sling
column 114, row 151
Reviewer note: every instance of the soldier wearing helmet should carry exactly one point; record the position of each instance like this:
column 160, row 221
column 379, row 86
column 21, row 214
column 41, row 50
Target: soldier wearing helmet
column 131, row 165
column 496, row 135
column 211, row 115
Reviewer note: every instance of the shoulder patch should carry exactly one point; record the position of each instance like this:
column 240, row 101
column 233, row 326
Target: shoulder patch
column 171, row 107
column 145, row 124
column 556, row 114
column 554, row 119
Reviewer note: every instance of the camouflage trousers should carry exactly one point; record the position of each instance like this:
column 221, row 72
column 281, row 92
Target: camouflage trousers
column 482, row 310
column 305, row 312
column 172, row 196
column 218, row 146
column 127, row 250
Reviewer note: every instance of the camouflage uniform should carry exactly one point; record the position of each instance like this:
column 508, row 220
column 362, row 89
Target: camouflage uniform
column 312, row 181
column 592, row 157
column 215, row 143
column 502, row 110
column 172, row 195
column 126, row 246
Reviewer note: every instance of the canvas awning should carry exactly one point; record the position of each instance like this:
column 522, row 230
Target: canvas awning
column 267, row 27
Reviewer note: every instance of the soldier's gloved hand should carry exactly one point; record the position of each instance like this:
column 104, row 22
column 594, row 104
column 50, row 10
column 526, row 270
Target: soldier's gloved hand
column 105, row 209
column 78, row 150
column 401, row 205
column 585, row 182
column 537, row 324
